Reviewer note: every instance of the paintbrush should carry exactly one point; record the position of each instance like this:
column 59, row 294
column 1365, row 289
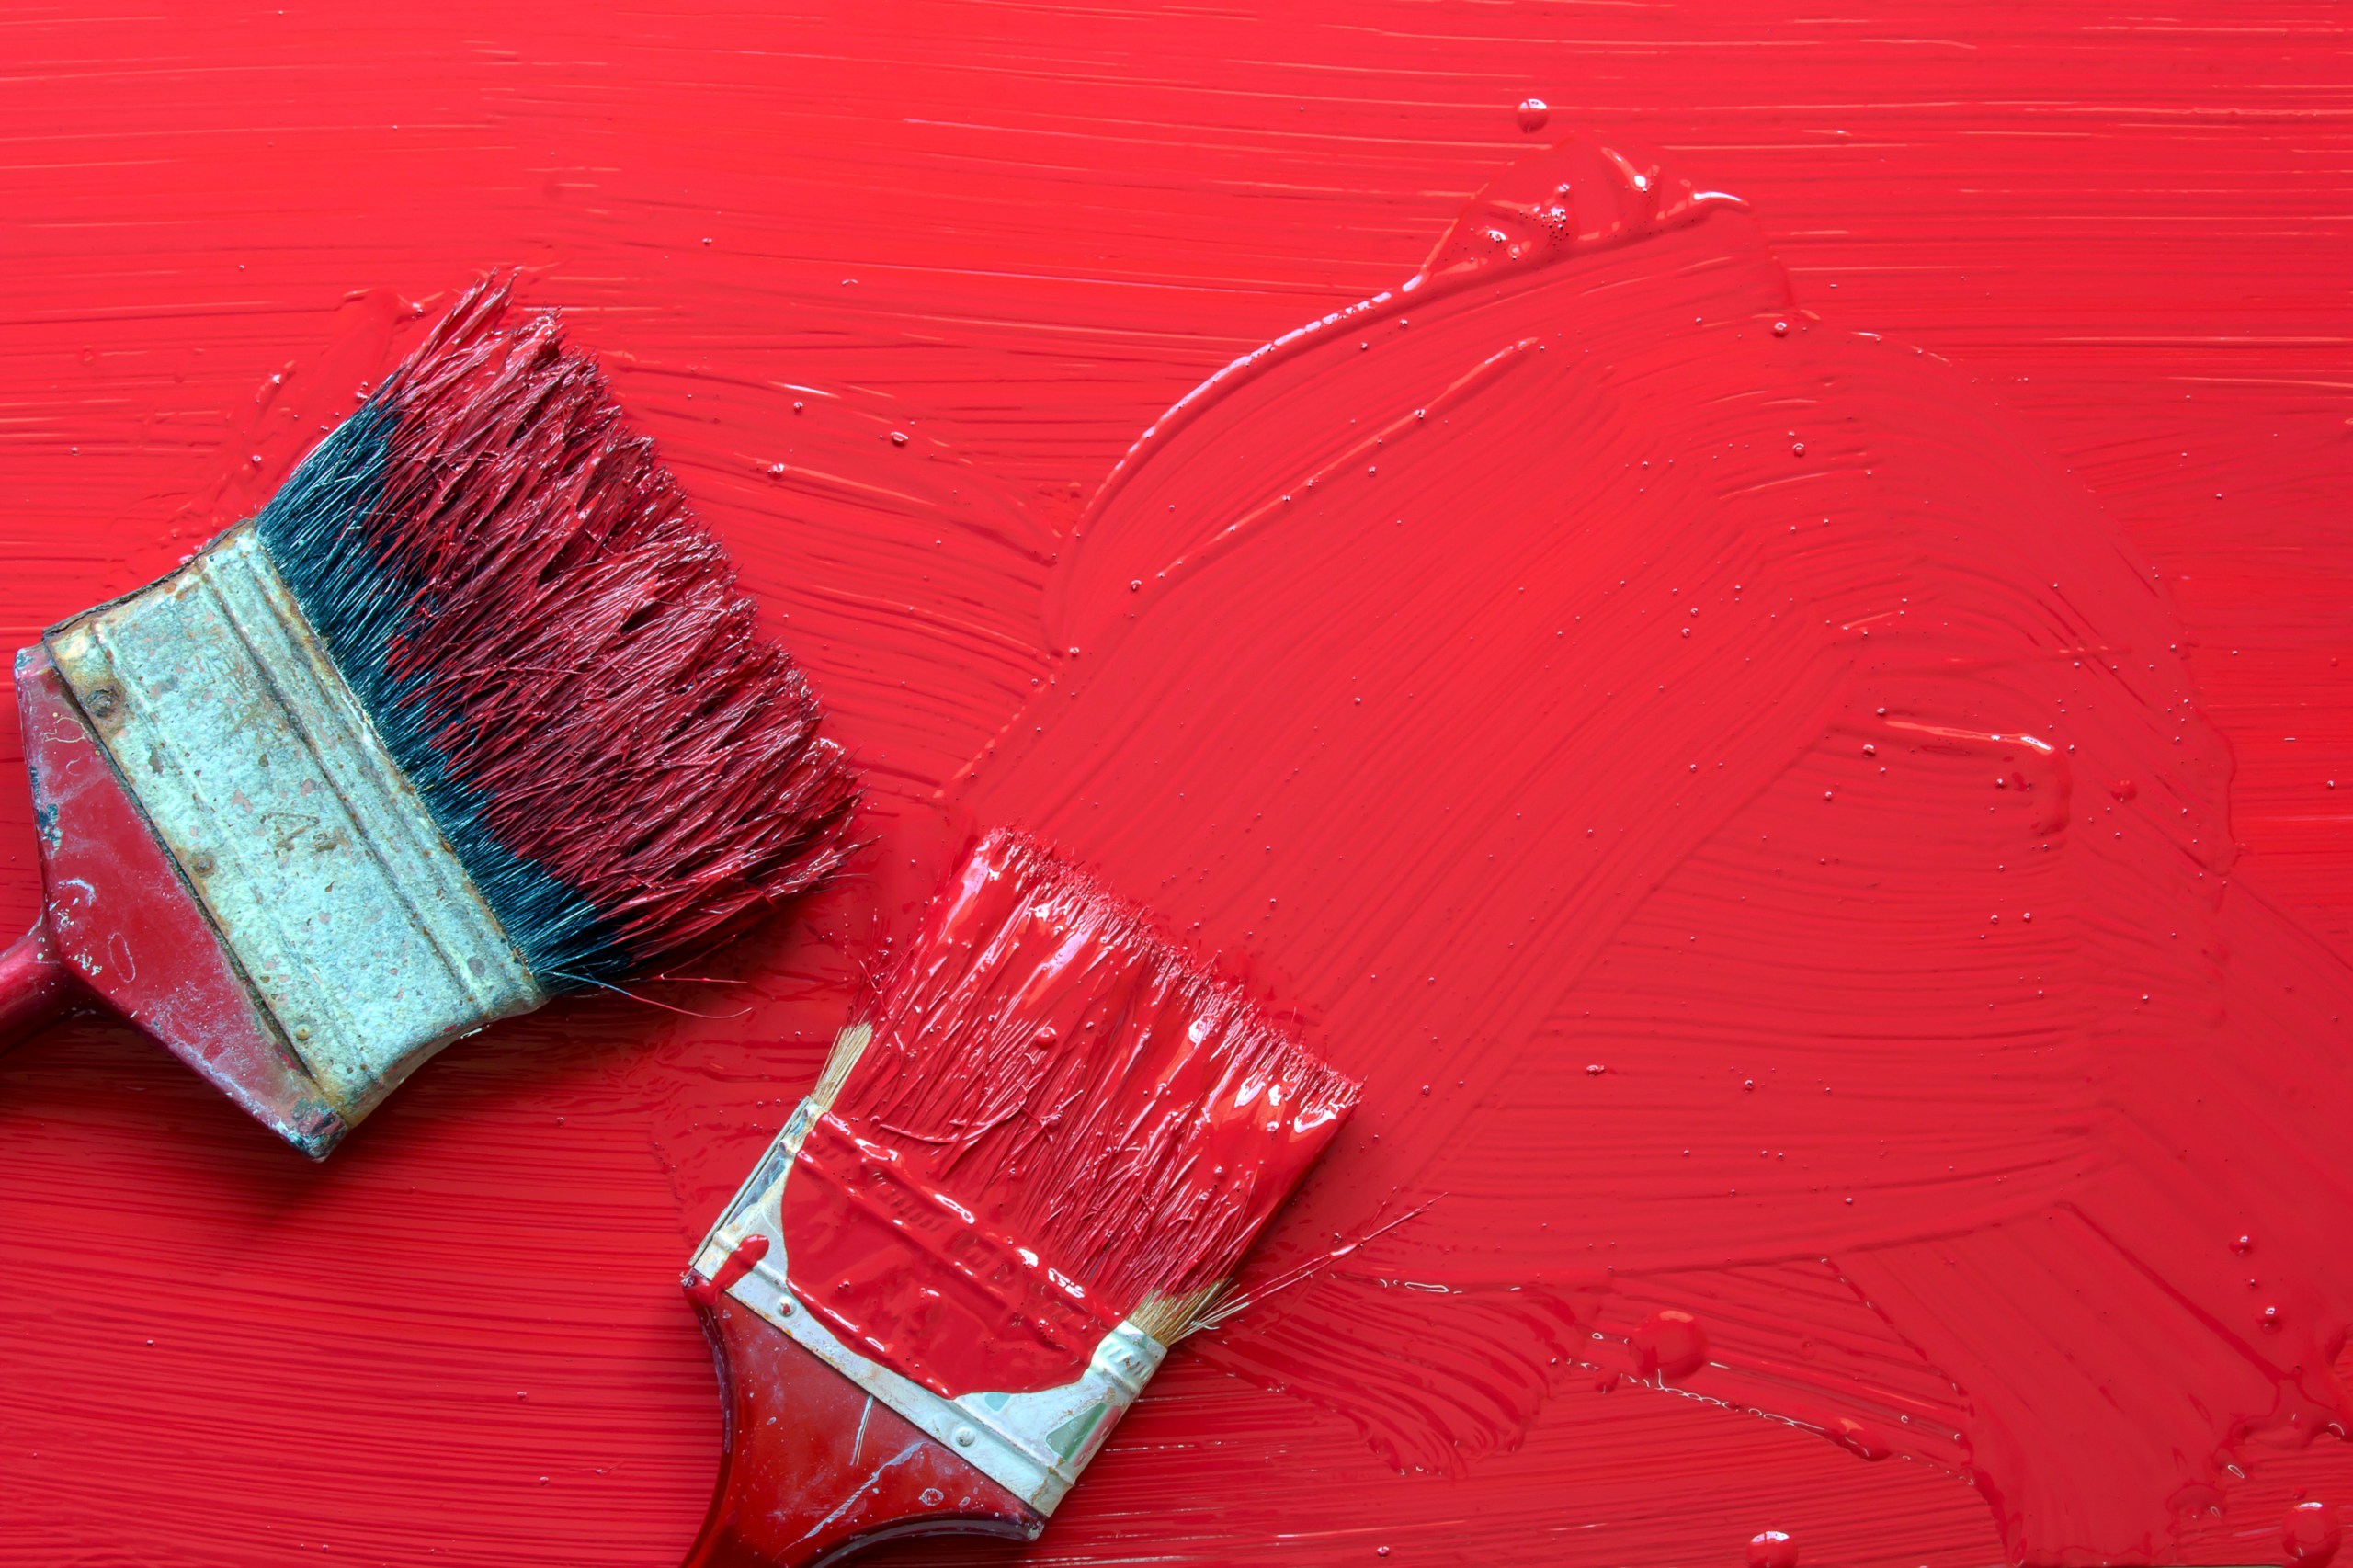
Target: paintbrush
column 1030, row 1166
column 469, row 716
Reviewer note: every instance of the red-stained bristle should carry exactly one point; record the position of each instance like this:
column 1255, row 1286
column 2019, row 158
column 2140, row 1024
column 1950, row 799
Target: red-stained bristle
column 1044, row 1057
column 558, row 654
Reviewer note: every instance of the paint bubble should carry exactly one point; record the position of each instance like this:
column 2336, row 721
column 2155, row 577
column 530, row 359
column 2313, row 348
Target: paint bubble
column 1863, row 1441
column 1533, row 113
column 1670, row 1344
column 2311, row 1535
column 1772, row 1549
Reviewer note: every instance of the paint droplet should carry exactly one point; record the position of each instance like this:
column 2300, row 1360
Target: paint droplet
column 1772, row 1549
column 1670, row 1344
column 1532, row 114
column 2311, row 1535
column 1797, row 448
column 898, row 437
column 1135, row 584
column 2269, row 1317
column 1781, row 329
column 2243, row 1245
column 1595, row 1069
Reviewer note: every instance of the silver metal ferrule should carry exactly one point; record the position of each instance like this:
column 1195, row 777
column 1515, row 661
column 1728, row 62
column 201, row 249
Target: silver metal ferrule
column 361, row 934
column 1034, row 1445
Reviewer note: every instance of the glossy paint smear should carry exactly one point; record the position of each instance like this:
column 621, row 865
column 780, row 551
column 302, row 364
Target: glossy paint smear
column 1752, row 704
column 1044, row 1123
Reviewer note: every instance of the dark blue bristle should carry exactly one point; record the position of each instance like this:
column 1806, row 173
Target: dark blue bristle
column 555, row 654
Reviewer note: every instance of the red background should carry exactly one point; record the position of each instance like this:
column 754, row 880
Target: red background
column 1021, row 232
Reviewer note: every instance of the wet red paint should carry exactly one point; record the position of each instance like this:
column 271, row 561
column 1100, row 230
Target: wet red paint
column 2313, row 1534
column 1053, row 1116
column 1016, row 239
column 745, row 1257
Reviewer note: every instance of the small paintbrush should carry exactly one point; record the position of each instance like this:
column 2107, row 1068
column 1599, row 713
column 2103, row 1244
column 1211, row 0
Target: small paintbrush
column 470, row 715
column 1030, row 1166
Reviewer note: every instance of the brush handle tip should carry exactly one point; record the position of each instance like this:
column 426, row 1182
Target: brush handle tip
column 36, row 986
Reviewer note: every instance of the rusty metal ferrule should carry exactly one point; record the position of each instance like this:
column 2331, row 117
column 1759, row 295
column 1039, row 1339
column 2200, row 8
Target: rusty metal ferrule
column 357, row 931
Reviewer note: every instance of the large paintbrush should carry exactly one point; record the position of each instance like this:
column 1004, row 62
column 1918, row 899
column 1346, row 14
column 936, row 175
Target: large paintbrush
column 470, row 715
column 1030, row 1166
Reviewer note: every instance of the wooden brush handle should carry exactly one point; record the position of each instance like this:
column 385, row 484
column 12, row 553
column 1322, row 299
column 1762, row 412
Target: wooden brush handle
column 35, row 986
column 815, row 1469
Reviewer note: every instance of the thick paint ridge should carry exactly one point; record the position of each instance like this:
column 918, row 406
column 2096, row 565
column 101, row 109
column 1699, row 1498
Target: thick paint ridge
column 1576, row 200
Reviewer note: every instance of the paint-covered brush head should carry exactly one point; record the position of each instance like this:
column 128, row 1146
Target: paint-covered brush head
column 470, row 715
column 557, row 654
column 1032, row 1163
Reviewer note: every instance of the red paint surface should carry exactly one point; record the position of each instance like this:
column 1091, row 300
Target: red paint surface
column 1054, row 1117
column 1017, row 239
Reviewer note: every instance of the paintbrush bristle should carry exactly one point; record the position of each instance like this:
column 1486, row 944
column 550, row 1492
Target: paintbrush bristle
column 557, row 655
column 1041, row 1060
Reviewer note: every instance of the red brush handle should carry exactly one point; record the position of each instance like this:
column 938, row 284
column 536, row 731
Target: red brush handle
column 815, row 1469
column 35, row 986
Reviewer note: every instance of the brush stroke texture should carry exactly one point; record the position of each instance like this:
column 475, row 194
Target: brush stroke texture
column 1015, row 238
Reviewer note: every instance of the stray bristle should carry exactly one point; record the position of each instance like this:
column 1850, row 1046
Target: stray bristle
column 556, row 654
column 1076, row 1082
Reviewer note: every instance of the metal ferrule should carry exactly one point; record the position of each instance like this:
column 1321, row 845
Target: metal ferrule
column 359, row 934
column 1034, row 1445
